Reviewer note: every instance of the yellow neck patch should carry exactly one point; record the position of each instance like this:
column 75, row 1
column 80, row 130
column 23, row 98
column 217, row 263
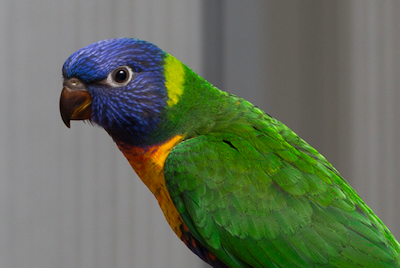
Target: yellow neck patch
column 149, row 165
column 174, row 73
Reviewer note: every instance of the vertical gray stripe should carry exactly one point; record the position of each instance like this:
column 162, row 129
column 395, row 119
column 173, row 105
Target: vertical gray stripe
column 213, row 42
column 374, row 112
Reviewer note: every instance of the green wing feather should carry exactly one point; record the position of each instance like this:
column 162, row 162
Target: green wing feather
column 257, row 195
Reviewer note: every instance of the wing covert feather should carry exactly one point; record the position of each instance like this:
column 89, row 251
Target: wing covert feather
column 269, row 199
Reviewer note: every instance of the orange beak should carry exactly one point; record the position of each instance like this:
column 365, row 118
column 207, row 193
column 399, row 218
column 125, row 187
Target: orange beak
column 75, row 101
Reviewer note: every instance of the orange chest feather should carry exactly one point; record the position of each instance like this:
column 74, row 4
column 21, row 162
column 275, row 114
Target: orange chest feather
column 149, row 165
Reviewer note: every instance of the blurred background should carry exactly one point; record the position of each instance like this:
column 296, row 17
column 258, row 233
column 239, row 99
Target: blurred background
column 330, row 70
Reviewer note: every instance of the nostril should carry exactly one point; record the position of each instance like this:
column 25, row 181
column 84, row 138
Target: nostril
column 74, row 84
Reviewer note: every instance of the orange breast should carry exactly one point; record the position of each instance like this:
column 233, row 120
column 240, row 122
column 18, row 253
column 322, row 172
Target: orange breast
column 149, row 165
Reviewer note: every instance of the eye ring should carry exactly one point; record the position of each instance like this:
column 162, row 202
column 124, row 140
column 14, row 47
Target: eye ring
column 120, row 77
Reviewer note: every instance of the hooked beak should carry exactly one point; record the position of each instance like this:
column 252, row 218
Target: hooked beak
column 75, row 101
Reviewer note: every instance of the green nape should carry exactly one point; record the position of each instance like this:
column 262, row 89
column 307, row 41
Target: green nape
column 192, row 101
column 257, row 195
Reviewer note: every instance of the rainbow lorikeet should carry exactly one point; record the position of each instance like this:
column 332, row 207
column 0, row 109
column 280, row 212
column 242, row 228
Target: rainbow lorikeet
column 238, row 187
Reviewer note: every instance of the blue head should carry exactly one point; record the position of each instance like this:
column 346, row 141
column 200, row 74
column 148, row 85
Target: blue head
column 125, row 79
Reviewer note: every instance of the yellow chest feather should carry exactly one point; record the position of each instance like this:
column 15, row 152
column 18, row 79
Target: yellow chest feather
column 149, row 165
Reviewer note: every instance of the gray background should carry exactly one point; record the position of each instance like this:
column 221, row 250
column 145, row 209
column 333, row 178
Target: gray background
column 68, row 198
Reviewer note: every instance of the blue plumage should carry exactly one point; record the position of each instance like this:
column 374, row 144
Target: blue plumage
column 129, row 112
column 94, row 62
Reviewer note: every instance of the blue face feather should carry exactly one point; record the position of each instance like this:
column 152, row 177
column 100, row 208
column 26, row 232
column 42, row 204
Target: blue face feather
column 132, row 111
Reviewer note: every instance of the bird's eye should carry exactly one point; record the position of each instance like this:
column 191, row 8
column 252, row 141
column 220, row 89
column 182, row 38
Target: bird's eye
column 120, row 76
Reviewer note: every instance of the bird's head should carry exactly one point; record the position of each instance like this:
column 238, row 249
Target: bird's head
column 120, row 85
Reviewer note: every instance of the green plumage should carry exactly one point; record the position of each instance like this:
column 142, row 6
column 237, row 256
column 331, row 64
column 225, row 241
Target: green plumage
column 257, row 195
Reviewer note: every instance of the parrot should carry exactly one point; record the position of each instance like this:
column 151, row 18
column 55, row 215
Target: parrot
column 236, row 185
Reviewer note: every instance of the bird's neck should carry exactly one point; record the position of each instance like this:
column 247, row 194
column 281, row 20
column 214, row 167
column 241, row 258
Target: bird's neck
column 194, row 104
column 148, row 162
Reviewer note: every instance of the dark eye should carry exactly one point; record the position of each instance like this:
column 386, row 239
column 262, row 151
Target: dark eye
column 120, row 77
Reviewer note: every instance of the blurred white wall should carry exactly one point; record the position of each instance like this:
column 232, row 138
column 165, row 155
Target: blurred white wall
column 68, row 198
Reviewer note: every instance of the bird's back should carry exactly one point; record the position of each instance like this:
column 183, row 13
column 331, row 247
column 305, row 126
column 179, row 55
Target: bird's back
column 257, row 195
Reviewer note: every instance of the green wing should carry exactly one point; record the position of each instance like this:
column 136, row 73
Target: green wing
column 257, row 195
